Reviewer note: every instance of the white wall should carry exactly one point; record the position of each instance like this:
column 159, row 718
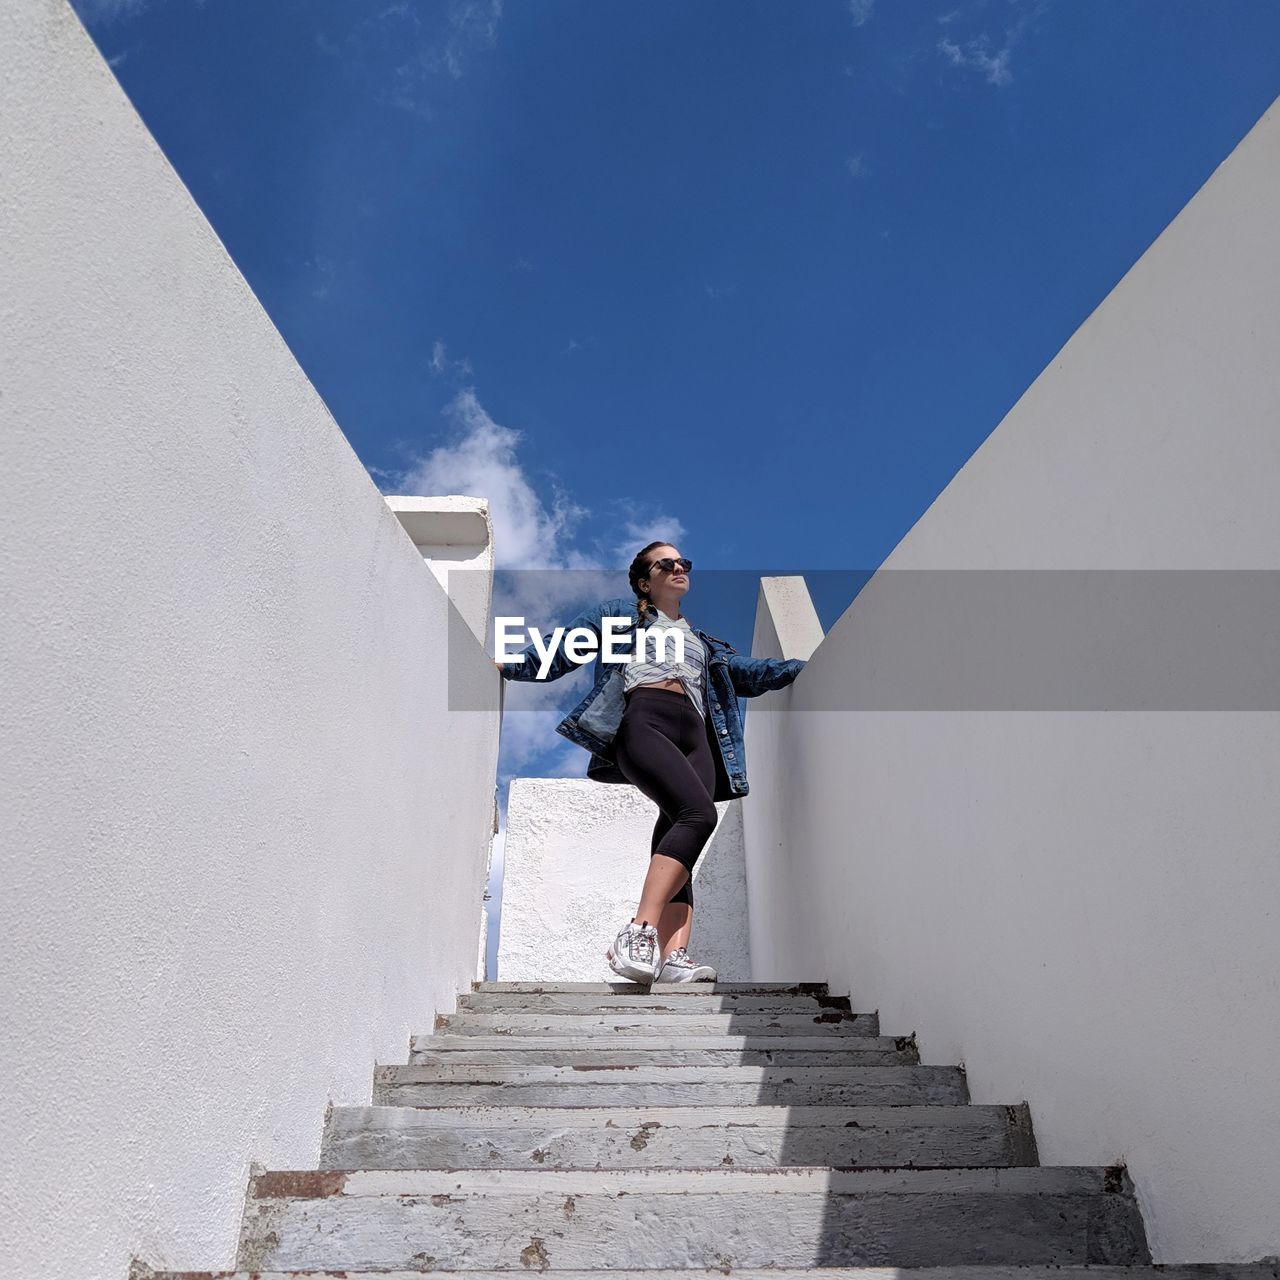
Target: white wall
column 244, row 841
column 576, row 854
column 1082, row 905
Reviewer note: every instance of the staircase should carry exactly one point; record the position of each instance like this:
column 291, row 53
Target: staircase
column 743, row 1129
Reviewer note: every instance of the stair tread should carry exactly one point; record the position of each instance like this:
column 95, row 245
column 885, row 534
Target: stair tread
column 762, row 1115
column 691, row 988
column 617, row 1090
column 1056, row 1271
column 827, row 1022
column 598, row 1058
column 1073, row 1180
column 865, row 1137
column 655, row 1073
column 443, row 1042
column 585, row 1005
column 714, row 1218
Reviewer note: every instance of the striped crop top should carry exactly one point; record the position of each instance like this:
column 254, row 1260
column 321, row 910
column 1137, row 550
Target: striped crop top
column 655, row 661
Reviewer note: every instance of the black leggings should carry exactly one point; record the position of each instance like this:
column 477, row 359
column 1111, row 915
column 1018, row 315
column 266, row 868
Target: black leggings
column 662, row 748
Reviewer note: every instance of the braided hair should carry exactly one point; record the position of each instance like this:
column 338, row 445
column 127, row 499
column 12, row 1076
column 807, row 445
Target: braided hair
column 640, row 569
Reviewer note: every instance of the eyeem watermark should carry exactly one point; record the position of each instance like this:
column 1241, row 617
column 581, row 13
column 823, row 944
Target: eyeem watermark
column 617, row 642
column 1178, row 640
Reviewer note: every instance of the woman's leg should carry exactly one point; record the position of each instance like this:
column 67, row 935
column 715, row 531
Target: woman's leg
column 675, row 926
column 677, row 915
column 663, row 750
column 665, row 877
column 677, row 920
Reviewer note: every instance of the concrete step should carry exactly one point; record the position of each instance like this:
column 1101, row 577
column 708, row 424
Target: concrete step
column 827, row 1022
column 719, row 1220
column 413, row 1086
column 655, row 1137
column 638, row 1051
column 654, row 1042
column 641, row 1001
column 1203, row 1271
column 696, row 988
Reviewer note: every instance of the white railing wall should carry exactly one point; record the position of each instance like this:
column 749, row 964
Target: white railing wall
column 245, row 836
column 574, row 859
column 1083, row 906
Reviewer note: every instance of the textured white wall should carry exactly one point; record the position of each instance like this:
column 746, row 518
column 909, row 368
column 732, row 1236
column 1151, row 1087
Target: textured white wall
column 576, row 854
column 244, row 842
column 1083, row 906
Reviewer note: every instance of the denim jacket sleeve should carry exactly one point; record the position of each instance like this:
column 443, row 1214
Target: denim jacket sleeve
column 754, row 676
column 561, row 665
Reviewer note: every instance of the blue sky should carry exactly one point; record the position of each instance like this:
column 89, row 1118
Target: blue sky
column 757, row 277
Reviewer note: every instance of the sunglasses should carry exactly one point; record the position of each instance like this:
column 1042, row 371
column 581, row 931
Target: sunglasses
column 668, row 565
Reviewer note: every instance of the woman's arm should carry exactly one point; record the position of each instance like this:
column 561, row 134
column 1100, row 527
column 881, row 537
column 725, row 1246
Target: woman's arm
column 754, row 676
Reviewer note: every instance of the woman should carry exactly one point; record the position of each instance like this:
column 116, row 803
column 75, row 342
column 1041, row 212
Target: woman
column 668, row 723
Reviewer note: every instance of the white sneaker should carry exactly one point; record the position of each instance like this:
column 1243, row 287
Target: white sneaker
column 677, row 967
column 634, row 953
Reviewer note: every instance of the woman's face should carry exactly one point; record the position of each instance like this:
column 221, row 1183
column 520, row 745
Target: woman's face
column 676, row 582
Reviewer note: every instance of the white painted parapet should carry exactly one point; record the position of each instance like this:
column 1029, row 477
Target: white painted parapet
column 243, row 838
column 1082, row 905
column 576, row 854
column 454, row 535
column 787, row 624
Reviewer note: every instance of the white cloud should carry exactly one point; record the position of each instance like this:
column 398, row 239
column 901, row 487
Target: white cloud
column 637, row 533
column 475, row 22
column 470, row 27
column 441, row 364
column 473, row 26
column 856, row 166
column 860, row 11
column 977, row 55
column 545, row 566
column 482, row 461
column 981, row 54
column 545, row 571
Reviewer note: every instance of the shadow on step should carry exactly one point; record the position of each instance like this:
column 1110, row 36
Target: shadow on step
column 919, row 1177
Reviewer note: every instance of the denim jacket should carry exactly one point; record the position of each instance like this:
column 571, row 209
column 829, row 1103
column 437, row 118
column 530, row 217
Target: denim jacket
column 594, row 722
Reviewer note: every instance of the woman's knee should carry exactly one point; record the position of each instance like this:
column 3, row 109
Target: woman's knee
column 703, row 819
column 690, row 832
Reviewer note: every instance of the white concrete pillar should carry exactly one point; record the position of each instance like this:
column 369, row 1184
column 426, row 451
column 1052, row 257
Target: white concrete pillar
column 454, row 535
